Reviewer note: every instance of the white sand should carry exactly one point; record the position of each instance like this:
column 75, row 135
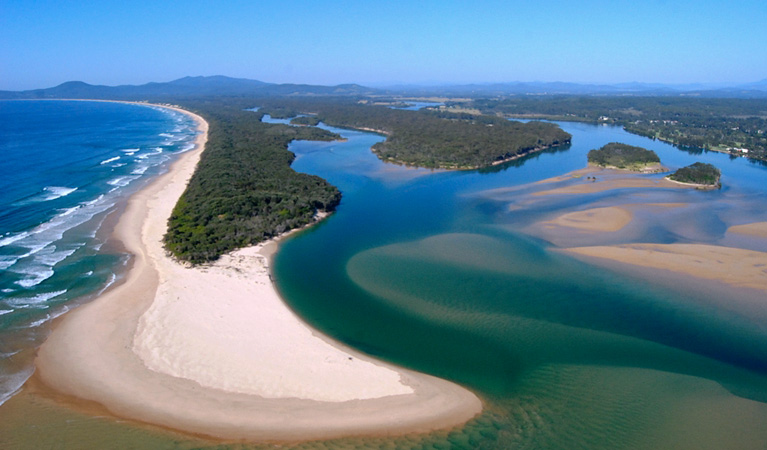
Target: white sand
column 217, row 326
column 214, row 350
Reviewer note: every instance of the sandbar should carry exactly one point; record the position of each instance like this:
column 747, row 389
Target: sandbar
column 757, row 229
column 595, row 179
column 214, row 350
column 734, row 266
column 611, row 218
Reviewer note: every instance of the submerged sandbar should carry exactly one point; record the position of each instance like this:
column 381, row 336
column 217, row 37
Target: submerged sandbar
column 735, row 266
column 598, row 231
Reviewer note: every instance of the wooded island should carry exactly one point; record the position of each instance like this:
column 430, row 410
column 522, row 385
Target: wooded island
column 698, row 173
column 627, row 157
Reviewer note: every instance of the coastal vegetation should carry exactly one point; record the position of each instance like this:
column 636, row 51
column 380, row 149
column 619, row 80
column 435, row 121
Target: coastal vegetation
column 623, row 156
column 698, row 173
column 244, row 190
column 736, row 126
column 311, row 121
column 433, row 139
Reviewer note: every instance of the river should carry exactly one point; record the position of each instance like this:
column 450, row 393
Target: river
column 434, row 270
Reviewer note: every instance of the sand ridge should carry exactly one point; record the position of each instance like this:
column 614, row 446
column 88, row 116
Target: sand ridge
column 735, row 266
column 213, row 350
column 757, row 229
column 612, row 218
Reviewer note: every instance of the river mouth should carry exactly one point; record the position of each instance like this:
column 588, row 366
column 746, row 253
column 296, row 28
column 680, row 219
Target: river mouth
column 459, row 274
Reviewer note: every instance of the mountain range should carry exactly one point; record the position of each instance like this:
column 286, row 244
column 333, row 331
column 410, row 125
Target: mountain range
column 219, row 85
column 186, row 87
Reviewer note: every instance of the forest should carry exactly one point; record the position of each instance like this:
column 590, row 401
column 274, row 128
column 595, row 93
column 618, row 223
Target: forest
column 623, row 156
column 431, row 139
column 244, row 191
column 729, row 125
column 698, row 173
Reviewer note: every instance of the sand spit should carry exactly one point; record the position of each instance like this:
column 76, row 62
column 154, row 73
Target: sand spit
column 595, row 179
column 606, row 185
column 213, row 350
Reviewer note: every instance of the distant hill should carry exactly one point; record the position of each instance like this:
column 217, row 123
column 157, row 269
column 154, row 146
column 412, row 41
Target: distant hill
column 751, row 90
column 185, row 87
column 226, row 86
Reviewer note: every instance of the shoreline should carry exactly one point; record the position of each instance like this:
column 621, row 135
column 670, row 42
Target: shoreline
column 699, row 186
column 173, row 346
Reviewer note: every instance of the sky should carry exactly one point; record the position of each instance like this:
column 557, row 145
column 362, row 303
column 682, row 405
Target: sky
column 378, row 43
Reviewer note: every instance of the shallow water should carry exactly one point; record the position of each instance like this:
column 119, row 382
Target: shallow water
column 442, row 272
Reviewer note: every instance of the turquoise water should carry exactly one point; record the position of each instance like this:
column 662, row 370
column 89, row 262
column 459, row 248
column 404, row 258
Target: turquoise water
column 65, row 166
column 443, row 272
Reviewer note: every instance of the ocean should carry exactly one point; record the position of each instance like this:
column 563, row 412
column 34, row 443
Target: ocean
column 66, row 165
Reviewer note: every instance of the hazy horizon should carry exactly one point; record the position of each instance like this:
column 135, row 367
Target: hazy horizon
column 437, row 84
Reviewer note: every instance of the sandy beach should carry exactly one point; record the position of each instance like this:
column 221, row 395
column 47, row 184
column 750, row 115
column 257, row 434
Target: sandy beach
column 214, row 350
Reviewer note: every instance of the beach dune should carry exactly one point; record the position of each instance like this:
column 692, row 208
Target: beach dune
column 214, row 350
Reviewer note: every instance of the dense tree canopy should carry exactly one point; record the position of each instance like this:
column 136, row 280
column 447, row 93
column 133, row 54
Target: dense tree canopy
column 698, row 173
column 720, row 124
column 244, row 190
column 431, row 138
column 623, row 156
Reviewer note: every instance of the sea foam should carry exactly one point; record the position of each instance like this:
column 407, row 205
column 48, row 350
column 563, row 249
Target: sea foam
column 54, row 192
column 107, row 161
column 25, row 302
column 65, row 205
column 41, row 237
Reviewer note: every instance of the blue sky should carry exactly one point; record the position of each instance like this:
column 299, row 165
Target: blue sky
column 44, row 43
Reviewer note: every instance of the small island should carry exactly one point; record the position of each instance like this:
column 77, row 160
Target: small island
column 616, row 155
column 704, row 175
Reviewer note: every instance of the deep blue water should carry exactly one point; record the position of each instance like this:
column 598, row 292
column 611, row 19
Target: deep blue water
column 64, row 165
